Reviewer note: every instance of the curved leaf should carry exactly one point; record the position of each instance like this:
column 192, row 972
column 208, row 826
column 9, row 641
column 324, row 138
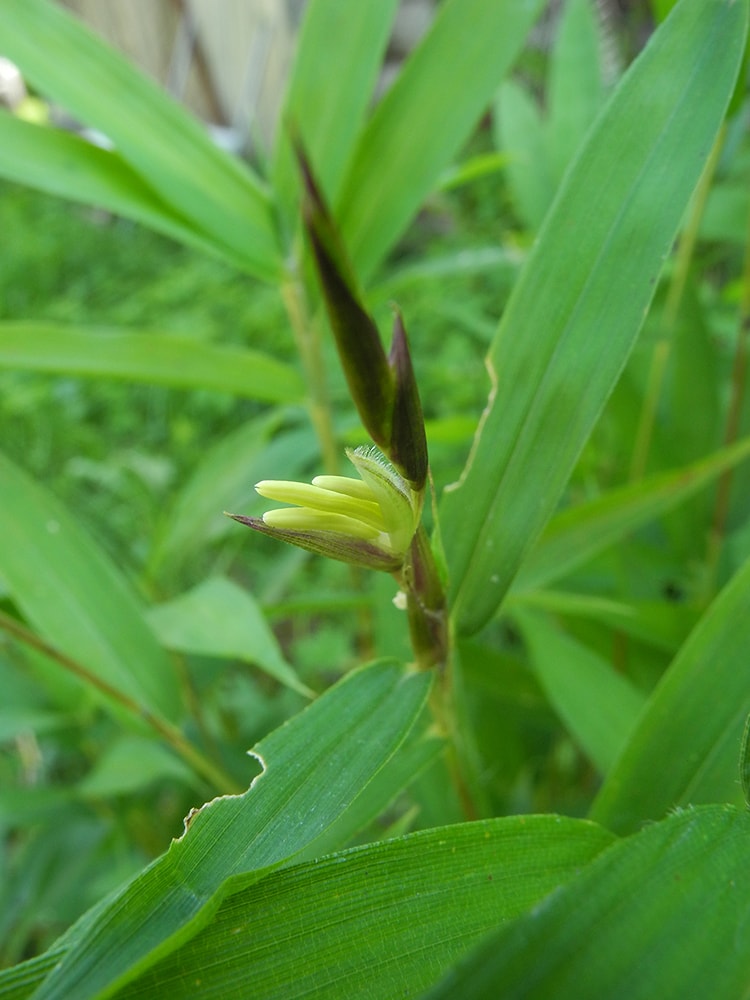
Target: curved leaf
column 217, row 618
column 693, row 721
column 421, row 122
column 156, row 136
column 62, row 164
column 75, row 597
column 575, row 313
column 662, row 914
column 379, row 921
column 579, row 533
column 148, row 356
column 326, row 114
column 599, row 706
column 314, row 766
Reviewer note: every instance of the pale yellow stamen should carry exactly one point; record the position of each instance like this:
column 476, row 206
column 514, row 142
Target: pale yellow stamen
column 315, row 498
column 343, row 484
column 307, row 519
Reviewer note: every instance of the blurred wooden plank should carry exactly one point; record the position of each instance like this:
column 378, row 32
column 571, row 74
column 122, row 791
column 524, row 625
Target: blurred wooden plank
column 227, row 60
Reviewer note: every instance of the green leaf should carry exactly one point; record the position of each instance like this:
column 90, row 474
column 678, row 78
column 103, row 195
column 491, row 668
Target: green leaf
column 567, row 330
column 71, row 593
column 130, row 764
column 420, row 124
column 694, row 384
column 218, row 618
column 575, row 91
column 314, row 766
column 599, row 706
column 148, row 356
column 454, row 264
column 576, row 535
column 159, row 139
column 684, row 748
column 376, row 806
column 662, row 914
column 745, row 762
column 378, row 921
column 519, row 132
column 20, row 981
column 664, row 625
column 420, row 750
column 661, row 8
column 62, row 164
column 725, row 216
column 472, row 169
column 327, row 97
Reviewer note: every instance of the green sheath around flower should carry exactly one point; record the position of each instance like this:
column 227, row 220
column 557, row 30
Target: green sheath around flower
column 369, row 521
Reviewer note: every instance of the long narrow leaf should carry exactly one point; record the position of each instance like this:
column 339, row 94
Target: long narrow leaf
column 314, row 766
column 599, row 706
column 380, row 921
column 327, row 97
column 148, row 356
column 421, row 122
column 519, row 132
column 156, row 136
column 75, row 597
column 663, row 914
column 575, row 90
column 62, row 164
column 664, row 625
column 19, row 982
column 421, row 749
column 692, row 724
column 577, row 309
column 582, row 532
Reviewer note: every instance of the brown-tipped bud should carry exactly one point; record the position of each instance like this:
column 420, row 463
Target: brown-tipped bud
column 408, row 449
column 362, row 356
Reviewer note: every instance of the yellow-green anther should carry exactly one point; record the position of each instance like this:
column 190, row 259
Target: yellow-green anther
column 345, row 485
column 316, row 498
column 307, row 519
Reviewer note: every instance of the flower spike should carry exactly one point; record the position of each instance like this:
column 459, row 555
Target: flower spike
column 368, row 522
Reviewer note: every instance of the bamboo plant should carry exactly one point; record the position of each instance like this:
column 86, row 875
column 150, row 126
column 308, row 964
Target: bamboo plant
column 281, row 886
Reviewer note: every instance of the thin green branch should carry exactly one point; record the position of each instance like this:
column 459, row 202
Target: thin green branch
column 215, row 775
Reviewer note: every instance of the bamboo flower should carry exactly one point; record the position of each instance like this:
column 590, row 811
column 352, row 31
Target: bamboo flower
column 368, row 522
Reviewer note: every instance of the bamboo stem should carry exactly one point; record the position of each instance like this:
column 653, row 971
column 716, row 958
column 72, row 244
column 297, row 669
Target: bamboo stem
column 430, row 638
